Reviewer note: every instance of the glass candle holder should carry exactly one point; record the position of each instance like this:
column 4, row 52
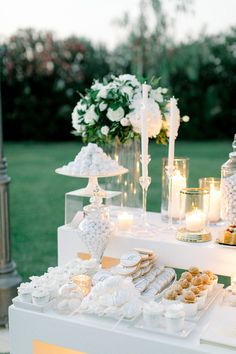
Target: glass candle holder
column 213, row 186
column 83, row 283
column 170, row 204
column 194, row 207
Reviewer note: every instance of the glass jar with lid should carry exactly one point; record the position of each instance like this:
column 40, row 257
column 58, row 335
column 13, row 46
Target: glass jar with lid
column 96, row 228
column 228, row 187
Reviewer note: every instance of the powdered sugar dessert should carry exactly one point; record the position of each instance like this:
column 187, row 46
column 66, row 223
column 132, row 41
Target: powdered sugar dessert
column 92, row 161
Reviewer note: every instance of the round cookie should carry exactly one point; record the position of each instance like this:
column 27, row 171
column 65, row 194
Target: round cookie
column 144, row 264
column 147, row 251
column 127, row 271
column 130, row 259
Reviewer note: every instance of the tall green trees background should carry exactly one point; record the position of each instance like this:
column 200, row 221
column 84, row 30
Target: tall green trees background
column 42, row 75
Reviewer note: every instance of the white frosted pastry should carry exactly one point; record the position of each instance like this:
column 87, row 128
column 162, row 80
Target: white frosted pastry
column 132, row 309
column 92, row 161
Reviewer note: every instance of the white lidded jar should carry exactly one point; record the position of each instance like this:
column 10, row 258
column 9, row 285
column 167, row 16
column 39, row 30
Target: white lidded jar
column 228, row 187
column 96, row 228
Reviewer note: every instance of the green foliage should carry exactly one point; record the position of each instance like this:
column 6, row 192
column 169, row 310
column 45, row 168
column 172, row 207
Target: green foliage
column 40, row 79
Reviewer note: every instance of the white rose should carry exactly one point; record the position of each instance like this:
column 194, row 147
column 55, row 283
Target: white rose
column 91, row 116
column 125, row 122
column 105, row 130
column 102, row 106
column 102, row 93
column 157, row 95
column 154, row 118
column 115, row 115
column 81, row 107
column 131, row 78
column 128, row 90
column 75, row 119
column 96, row 86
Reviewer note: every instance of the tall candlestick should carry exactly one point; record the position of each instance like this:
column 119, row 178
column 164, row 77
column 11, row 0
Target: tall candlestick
column 172, row 135
column 144, row 131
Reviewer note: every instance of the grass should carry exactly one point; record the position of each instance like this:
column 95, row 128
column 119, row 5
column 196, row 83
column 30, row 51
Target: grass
column 37, row 193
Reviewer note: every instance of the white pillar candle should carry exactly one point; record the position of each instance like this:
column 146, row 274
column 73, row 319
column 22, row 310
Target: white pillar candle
column 172, row 137
column 144, row 132
column 125, row 221
column 195, row 220
column 178, row 182
column 214, row 207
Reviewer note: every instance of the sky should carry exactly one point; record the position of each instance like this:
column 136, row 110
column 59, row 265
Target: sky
column 93, row 19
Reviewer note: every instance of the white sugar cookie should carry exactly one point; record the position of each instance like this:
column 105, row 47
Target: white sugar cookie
column 150, row 253
column 130, row 259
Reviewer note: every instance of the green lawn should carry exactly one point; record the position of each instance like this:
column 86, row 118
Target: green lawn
column 37, row 193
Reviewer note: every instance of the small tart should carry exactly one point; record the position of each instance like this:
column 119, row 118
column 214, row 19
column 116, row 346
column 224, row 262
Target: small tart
column 206, row 279
column 195, row 290
column 178, row 288
column 196, row 281
column 184, row 283
column 194, row 271
column 209, row 273
column 171, row 295
column 189, row 297
column 186, row 275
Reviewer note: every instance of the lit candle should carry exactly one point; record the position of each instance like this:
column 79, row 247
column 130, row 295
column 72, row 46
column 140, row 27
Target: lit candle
column 214, row 207
column 195, row 220
column 125, row 221
column 172, row 134
column 83, row 283
column 144, row 132
column 178, row 183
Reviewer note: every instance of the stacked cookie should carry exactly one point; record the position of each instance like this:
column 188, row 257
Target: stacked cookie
column 141, row 265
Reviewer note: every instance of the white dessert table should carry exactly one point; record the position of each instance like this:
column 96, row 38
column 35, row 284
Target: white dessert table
column 171, row 252
column 38, row 333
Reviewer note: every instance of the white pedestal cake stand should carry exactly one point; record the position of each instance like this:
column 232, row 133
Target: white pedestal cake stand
column 93, row 185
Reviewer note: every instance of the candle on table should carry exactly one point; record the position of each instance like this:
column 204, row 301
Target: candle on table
column 125, row 221
column 144, row 132
column 214, row 207
column 178, row 182
column 195, row 220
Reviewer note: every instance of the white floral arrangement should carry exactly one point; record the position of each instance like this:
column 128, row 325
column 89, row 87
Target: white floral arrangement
column 112, row 109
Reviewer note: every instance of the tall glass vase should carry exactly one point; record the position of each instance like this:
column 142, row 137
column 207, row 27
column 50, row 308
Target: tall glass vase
column 128, row 155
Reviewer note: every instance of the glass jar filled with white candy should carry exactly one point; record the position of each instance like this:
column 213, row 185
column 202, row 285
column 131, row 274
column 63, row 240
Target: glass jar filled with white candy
column 228, row 187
